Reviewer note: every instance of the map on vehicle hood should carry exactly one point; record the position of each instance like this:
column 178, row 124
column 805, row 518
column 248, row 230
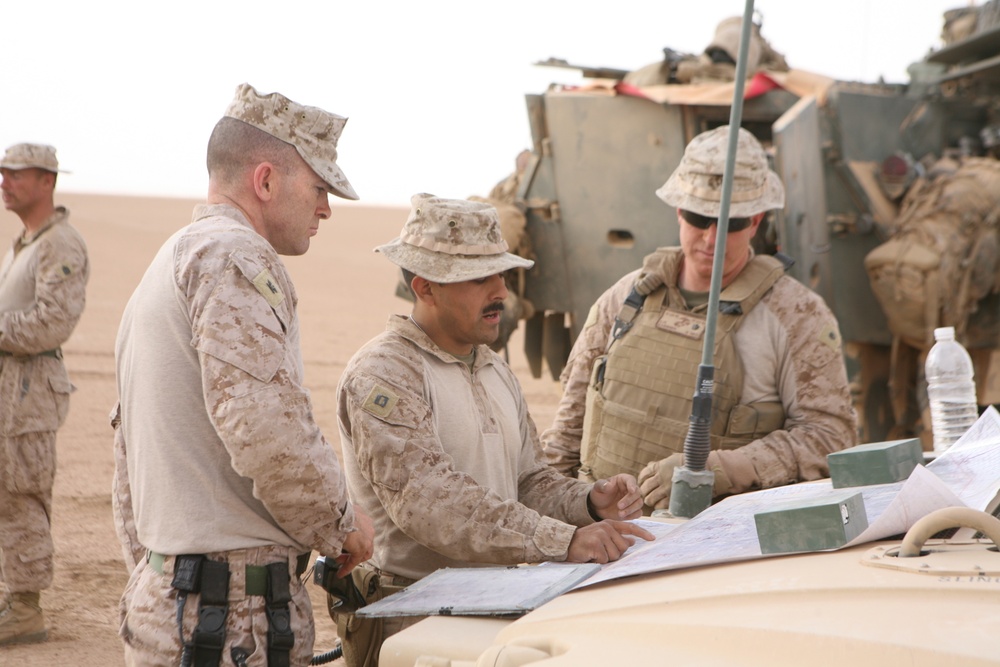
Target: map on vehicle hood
column 966, row 475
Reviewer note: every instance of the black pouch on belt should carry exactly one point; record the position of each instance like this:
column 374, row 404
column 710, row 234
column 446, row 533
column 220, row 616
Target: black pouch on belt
column 279, row 622
column 210, row 633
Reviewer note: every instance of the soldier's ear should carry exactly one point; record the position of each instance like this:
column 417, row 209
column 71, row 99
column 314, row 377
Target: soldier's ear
column 422, row 288
column 263, row 180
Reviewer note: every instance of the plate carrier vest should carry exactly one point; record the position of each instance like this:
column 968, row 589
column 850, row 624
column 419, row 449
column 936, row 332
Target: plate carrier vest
column 641, row 390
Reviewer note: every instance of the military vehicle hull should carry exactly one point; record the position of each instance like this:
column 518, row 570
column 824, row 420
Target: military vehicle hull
column 600, row 153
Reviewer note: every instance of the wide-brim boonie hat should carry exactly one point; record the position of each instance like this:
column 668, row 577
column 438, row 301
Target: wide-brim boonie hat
column 696, row 184
column 451, row 241
column 31, row 156
column 312, row 131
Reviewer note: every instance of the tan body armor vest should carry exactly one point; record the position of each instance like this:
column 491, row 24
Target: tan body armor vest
column 641, row 391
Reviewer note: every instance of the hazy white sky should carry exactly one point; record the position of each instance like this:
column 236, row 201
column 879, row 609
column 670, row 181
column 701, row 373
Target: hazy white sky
column 128, row 92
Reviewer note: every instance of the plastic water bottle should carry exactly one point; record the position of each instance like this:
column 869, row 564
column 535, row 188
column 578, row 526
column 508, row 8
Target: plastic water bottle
column 950, row 389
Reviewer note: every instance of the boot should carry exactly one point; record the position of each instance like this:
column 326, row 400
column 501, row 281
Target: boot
column 22, row 621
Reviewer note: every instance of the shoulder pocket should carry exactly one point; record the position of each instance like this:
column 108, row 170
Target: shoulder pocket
column 238, row 324
column 260, row 276
column 387, row 404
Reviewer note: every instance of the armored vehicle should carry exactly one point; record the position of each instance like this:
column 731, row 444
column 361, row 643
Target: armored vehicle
column 860, row 163
column 848, row 153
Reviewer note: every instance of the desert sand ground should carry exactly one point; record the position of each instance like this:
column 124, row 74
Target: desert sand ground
column 346, row 293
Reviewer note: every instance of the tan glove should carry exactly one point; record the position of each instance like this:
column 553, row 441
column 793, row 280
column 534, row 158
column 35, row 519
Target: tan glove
column 656, row 480
column 734, row 473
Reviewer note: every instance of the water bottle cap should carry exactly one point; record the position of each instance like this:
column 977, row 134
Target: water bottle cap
column 944, row 333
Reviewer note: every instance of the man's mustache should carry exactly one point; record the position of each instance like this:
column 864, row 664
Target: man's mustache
column 496, row 305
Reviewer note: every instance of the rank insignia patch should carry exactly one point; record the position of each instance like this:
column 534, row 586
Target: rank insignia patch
column 268, row 287
column 830, row 337
column 380, row 401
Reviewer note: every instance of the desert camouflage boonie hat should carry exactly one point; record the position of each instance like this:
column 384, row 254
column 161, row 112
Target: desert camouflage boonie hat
column 696, row 184
column 28, row 156
column 451, row 240
column 313, row 131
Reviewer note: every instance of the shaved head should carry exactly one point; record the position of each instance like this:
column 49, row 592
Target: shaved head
column 236, row 147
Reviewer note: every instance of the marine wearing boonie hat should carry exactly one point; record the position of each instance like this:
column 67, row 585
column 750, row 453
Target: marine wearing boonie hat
column 31, row 156
column 312, row 131
column 696, row 184
column 451, row 241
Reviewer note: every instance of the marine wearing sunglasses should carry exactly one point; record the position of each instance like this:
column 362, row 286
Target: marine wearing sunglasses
column 704, row 222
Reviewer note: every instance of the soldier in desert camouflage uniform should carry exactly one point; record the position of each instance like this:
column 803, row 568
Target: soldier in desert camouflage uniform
column 781, row 399
column 438, row 444
column 43, row 280
column 217, row 451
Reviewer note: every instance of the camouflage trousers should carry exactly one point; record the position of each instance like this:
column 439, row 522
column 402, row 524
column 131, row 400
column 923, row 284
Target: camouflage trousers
column 27, row 470
column 148, row 613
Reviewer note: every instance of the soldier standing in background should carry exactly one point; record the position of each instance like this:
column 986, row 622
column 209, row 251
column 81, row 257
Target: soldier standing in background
column 221, row 471
column 43, row 280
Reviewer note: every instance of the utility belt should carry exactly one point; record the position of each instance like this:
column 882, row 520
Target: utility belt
column 55, row 354
column 196, row 573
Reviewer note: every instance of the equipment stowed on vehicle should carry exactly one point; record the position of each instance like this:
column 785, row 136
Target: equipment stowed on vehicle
column 847, row 152
column 943, row 257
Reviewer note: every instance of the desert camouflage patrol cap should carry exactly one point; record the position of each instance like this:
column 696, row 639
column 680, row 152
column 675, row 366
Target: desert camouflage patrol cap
column 27, row 156
column 313, row 131
column 451, row 240
column 696, row 184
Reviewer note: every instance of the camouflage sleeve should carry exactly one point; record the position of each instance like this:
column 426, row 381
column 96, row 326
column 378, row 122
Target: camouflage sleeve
column 812, row 383
column 60, row 294
column 121, row 498
column 260, row 412
column 390, row 427
column 561, row 441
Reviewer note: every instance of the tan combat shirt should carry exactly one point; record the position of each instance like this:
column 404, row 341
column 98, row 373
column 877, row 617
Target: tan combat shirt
column 217, row 447
column 43, row 281
column 447, row 461
column 790, row 348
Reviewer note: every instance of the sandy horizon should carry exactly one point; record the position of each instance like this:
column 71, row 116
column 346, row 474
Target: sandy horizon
column 346, row 294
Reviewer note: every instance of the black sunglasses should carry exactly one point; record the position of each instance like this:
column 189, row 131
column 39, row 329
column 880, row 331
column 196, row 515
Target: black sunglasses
column 704, row 222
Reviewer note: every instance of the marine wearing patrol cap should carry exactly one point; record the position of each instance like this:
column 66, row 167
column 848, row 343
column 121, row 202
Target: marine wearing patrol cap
column 451, row 241
column 312, row 131
column 28, row 156
column 696, row 184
